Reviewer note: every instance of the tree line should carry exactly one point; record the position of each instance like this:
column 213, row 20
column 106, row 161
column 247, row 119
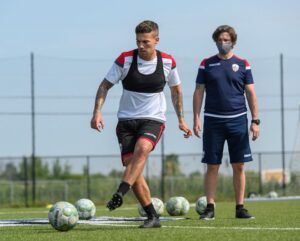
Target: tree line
column 58, row 170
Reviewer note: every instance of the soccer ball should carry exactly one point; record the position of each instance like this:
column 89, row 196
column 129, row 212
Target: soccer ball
column 63, row 216
column 201, row 205
column 158, row 206
column 177, row 206
column 185, row 205
column 272, row 194
column 86, row 208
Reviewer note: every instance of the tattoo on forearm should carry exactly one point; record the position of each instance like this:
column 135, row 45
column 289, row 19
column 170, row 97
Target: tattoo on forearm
column 101, row 94
column 178, row 103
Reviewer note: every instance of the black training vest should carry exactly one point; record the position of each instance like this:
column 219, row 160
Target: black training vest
column 150, row 83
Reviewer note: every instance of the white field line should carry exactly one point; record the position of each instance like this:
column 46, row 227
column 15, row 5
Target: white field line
column 125, row 224
column 19, row 225
column 46, row 211
column 259, row 199
column 22, row 212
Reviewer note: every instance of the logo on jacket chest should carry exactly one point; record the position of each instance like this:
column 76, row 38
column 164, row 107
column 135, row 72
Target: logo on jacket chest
column 235, row 67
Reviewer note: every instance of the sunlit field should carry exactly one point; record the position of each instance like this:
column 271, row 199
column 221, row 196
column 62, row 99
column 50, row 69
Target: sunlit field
column 275, row 220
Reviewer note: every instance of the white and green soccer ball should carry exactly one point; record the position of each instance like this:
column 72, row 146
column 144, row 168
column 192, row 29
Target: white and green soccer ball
column 201, row 204
column 158, row 206
column 177, row 206
column 86, row 208
column 63, row 216
column 272, row 194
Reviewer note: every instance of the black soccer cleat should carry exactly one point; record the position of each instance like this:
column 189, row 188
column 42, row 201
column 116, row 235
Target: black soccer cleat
column 151, row 222
column 243, row 213
column 208, row 214
column 115, row 202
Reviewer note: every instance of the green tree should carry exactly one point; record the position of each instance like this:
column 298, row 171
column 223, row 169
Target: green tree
column 85, row 170
column 172, row 167
column 195, row 174
column 66, row 173
column 41, row 168
column 10, row 172
column 56, row 169
column 115, row 173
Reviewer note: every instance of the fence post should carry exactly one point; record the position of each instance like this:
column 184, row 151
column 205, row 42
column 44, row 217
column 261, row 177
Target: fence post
column 33, row 129
column 25, row 181
column 282, row 124
column 162, row 182
column 11, row 193
column 66, row 192
column 88, row 179
column 260, row 174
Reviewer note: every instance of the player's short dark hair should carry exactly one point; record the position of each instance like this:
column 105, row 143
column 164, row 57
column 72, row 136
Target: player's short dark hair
column 225, row 28
column 147, row 26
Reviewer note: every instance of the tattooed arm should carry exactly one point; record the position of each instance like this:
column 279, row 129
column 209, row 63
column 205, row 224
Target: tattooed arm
column 176, row 94
column 97, row 122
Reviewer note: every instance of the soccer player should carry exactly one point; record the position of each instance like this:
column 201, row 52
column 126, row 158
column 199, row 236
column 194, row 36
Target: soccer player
column 143, row 72
column 225, row 78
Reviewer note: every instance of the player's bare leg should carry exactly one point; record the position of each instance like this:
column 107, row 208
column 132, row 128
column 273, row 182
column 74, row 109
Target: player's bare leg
column 134, row 168
column 239, row 182
column 211, row 180
column 142, row 193
column 133, row 177
column 117, row 198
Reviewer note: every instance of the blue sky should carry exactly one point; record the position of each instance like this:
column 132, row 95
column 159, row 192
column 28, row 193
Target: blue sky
column 75, row 43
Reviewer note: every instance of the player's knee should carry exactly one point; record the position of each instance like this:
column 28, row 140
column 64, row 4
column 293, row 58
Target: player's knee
column 126, row 161
column 143, row 149
column 238, row 167
column 213, row 168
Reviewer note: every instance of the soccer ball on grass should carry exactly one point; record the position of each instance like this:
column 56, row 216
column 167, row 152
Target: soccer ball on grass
column 201, row 204
column 158, row 206
column 63, row 216
column 86, row 208
column 272, row 194
column 177, row 206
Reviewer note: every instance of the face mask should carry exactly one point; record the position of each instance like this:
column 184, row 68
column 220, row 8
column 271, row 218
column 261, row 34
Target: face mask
column 224, row 48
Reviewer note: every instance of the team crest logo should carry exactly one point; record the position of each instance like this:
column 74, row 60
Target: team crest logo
column 235, row 67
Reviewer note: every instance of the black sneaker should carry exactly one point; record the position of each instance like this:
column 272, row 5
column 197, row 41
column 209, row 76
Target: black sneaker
column 208, row 214
column 243, row 213
column 115, row 202
column 151, row 222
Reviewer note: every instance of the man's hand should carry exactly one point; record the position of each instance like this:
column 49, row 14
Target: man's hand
column 183, row 126
column 197, row 128
column 97, row 122
column 254, row 129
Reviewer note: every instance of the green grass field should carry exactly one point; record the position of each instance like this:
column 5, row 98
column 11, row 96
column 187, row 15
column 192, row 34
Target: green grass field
column 276, row 220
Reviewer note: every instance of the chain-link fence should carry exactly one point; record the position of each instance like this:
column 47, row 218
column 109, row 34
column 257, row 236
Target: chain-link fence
column 97, row 177
column 64, row 97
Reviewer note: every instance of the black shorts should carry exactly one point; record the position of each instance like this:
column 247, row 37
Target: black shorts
column 129, row 131
column 233, row 130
